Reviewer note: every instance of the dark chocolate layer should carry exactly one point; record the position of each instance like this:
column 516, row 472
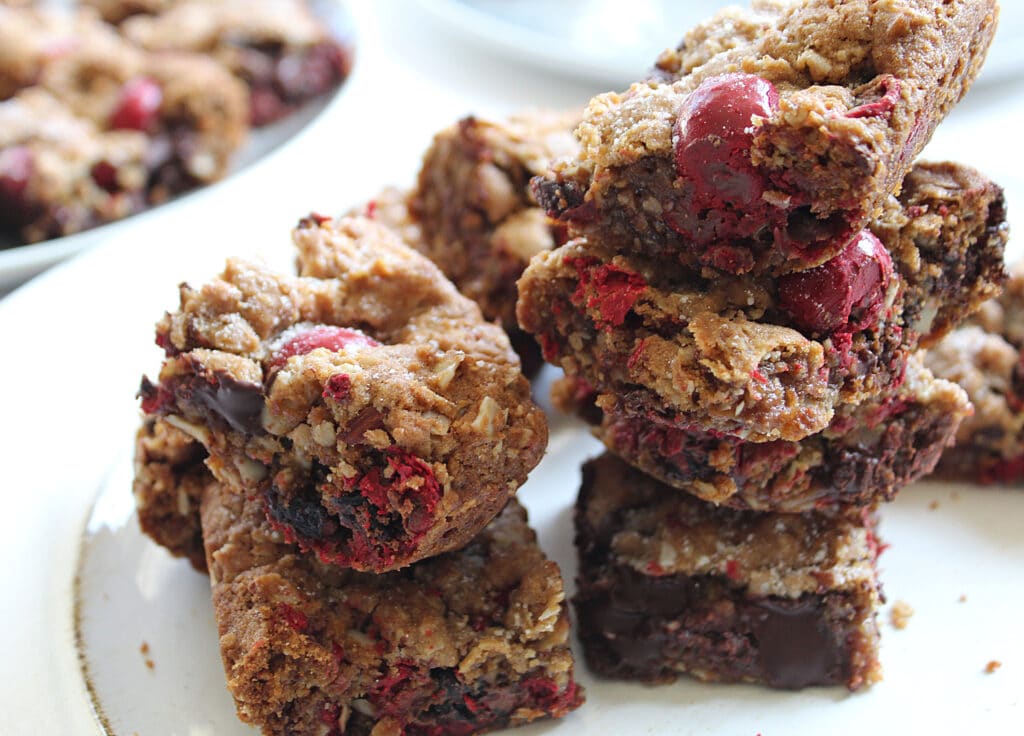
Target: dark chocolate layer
column 655, row 628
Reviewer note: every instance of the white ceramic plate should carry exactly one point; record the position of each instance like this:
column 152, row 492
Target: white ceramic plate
column 77, row 339
column 614, row 43
column 18, row 263
column 148, row 641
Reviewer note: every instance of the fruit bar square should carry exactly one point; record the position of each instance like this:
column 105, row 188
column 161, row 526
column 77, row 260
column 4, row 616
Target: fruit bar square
column 668, row 585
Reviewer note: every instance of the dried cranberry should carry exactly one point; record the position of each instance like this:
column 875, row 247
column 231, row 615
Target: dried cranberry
column 292, row 616
column 607, row 288
column 884, row 104
column 138, row 106
column 408, row 476
column 338, row 387
column 845, row 293
column 322, row 336
column 104, row 174
column 16, row 166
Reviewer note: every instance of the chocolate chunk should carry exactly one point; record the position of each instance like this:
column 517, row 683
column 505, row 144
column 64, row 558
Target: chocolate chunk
column 305, row 515
column 239, row 403
column 795, row 644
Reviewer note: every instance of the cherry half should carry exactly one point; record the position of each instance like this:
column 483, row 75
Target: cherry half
column 138, row 105
column 712, row 139
column 322, row 336
column 842, row 294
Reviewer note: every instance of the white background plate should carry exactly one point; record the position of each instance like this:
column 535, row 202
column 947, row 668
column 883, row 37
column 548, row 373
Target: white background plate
column 77, row 340
column 19, row 263
column 613, row 43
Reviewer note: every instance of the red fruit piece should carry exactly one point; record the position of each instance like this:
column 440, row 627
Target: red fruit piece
column 295, row 618
column 322, row 336
column 338, row 387
column 104, row 174
column 138, row 106
column 16, row 165
column 843, row 294
column 544, row 692
column 608, row 288
column 884, row 104
column 406, row 476
column 713, row 135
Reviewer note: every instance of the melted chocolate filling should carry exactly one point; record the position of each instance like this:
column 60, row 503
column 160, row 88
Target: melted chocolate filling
column 238, row 403
column 652, row 628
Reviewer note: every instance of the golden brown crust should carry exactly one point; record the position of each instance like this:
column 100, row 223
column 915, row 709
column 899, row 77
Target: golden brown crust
column 468, row 638
column 830, row 154
column 170, row 480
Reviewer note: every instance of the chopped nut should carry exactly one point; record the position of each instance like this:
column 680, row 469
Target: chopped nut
column 816, row 65
column 489, row 417
column 183, row 502
column 324, row 434
column 900, row 613
column 196, row 432
column 251, row 471
column 445, row 369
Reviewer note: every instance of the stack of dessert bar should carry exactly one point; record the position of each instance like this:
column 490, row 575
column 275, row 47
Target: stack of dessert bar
column 753, row 260
column 340, row 449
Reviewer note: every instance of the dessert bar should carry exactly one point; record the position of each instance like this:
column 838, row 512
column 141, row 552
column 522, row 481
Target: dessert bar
column 480, row 223
column 862, row 458
column 170, row 479
column 59, row 174
column 467, row 642
column 473, row 214
column 462, row 643
column 668, row 585
column 828, row 106
column 95, row 129
column 380, row 418
column 280, row 49
column 764, row 358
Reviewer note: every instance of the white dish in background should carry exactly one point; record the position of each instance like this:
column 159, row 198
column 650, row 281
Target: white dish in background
column 18, row 263
column 614, row 43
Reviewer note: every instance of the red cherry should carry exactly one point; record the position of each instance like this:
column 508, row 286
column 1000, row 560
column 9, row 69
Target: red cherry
column 322, row 336
column 104, row 174
column 16, row 165
column 138, row 106
column 884, row 104
column 845, row 293
column 713, row 137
